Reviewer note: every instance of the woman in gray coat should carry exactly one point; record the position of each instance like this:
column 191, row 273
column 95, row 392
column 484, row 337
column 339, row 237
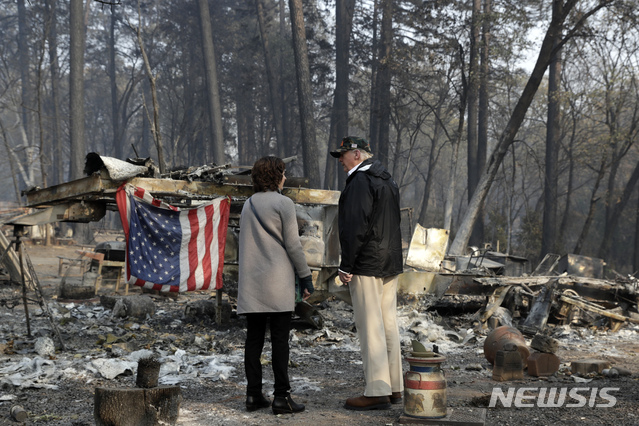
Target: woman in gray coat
column 270, row 253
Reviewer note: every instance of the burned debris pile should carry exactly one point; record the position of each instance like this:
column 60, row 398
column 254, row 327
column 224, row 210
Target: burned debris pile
column 564, row 312
column 532, row 302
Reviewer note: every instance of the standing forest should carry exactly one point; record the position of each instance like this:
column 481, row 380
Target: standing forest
column 513, row 123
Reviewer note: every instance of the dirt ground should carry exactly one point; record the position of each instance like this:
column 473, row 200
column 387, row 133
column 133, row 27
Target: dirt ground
column 325, row 364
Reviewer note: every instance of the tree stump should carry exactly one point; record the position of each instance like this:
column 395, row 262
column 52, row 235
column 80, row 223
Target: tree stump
column 18, row 413
column 148, row 373
column 137, row 407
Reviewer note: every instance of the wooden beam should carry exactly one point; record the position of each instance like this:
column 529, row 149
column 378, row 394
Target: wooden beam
column 96, row 188
column 596, row 309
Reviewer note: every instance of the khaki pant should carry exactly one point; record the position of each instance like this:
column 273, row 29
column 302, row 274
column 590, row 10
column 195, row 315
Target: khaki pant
column 375, row 306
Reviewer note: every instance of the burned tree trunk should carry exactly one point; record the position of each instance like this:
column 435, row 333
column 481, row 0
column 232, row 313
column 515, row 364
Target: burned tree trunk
column 472, row 160
column 305, row 94
column 212, row 83
column 339, row 114
column 273, row 82
column 76, row 87
column 553, row 135
column 380, row 110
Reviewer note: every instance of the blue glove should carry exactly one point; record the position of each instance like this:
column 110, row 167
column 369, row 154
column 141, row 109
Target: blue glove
column 306, row 283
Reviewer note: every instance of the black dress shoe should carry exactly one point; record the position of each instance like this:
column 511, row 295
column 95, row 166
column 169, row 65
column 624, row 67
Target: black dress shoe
column 396, row 398
column 256, row 402
column 285, row 405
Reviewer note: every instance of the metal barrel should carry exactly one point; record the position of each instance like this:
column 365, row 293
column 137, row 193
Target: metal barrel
column 502, row 336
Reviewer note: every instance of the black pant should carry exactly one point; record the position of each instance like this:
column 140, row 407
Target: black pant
column 255, row 331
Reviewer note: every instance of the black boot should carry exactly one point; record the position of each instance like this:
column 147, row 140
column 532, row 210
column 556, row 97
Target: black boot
column 285, row 405
column 256, row 402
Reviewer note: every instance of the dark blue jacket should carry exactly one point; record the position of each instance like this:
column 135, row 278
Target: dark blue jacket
column 369, row 223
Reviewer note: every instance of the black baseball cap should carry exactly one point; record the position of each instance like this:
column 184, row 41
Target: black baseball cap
column 350, row 143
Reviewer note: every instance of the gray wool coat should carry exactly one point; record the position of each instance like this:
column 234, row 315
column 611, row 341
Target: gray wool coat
column 266, row 272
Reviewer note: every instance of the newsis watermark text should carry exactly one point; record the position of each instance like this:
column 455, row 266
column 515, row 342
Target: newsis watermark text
column 554, row 397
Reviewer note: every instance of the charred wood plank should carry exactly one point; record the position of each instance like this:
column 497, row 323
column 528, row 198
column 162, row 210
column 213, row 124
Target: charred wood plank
column 538, row 316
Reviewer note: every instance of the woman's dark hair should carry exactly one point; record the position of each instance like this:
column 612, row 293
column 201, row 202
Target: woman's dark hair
column 267, row 174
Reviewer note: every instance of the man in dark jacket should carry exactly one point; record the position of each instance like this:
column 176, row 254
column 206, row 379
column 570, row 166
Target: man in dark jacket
column 371, row 246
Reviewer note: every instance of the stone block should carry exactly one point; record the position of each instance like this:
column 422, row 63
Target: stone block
column 544, row 344
column 587, row 366
column 543, row 364
column 508, row 365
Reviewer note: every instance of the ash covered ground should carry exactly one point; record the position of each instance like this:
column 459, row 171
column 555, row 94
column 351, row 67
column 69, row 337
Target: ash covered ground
column 206, row 361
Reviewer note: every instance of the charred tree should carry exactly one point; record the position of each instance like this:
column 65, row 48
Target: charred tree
column 472, row 159
column 380, row 111
column 613, row 220
column 482, row 113
column 635, row 257
column 115, row 113
column 54, row 67
column 76, row 88
column 286, row 127
column 155, row 122
column 212, row 85
column 25, row 73
column 273, row 81
column 549, row 227
column 339, row 113
column 304, row 93
column 594, row 198
column 456, row 142
column 432, row 160
column 245, row 116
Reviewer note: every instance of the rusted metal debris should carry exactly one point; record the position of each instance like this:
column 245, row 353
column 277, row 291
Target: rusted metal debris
column 566, row 299
column 559, row 289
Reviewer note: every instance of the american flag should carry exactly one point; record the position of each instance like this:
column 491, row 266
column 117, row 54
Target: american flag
column 171, row 249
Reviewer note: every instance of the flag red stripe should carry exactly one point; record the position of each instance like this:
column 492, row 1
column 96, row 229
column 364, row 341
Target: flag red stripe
column 122, row 199
column 192, row 249
column 224, row 209
column 139, row 192
column 209, row 212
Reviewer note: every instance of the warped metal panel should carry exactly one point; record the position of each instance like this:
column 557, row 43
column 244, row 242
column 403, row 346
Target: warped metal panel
column 427, row 248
